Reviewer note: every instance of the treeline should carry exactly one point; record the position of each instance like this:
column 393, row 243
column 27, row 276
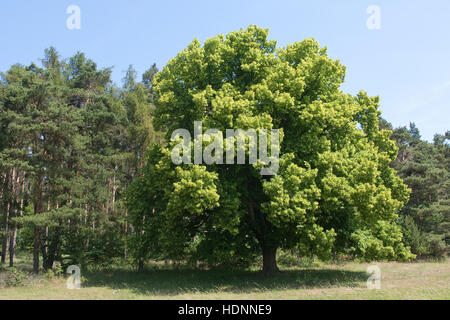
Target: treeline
column 424, row 167
column 71, row 142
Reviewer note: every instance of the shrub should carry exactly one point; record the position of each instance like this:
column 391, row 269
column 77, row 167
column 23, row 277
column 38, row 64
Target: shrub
column 15, row 278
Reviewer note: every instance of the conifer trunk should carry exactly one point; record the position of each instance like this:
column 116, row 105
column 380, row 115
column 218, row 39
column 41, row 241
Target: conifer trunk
column 37, row 238
column 5, row 242
column 12, row 246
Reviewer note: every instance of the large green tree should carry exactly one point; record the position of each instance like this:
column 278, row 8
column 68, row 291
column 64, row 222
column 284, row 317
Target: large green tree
column 334, row 190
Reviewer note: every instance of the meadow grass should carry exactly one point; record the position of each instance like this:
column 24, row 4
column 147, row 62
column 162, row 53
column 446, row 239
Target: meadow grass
column 416, row 280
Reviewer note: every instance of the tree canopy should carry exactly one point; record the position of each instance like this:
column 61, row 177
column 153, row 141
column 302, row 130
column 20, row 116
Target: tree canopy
column 88, row 177
column 334, row 191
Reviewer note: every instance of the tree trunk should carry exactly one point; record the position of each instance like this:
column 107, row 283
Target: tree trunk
column 269, row 251
column 141, row 259
column 141, row 265
column 126, row 235
column 37, row 241
column 13, row 239
column 12, row 246
column 6, row 237
column 5, row 244
column 269, row 260
column 114, row 191
column 38, row 198
column 37, row 238
column 44, row 249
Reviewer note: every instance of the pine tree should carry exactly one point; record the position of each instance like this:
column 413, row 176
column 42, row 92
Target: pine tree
column 65, row 138
column 424, row 167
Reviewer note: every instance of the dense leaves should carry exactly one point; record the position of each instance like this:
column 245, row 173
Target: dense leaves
column 425, row 168
column 334, row 191
column 71, row 144
column 87, row 172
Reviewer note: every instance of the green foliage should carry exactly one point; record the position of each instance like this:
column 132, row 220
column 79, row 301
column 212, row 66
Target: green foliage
column 384, row 242
column 335, row 189
column 15, row 277
column 56, row 272
column 424, row 167
column 74, row 142
column 87, row 177
column 287, row 259
column 413, row 237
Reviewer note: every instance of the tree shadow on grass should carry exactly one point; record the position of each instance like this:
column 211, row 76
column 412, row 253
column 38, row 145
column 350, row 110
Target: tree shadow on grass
column 175, row 282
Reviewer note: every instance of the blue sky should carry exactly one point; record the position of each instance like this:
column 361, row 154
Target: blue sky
column 406, row 62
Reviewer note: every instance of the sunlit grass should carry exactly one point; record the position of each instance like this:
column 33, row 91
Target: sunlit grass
column 424, row 280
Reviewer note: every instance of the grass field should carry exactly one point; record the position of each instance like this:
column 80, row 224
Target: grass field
column 424, row 280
